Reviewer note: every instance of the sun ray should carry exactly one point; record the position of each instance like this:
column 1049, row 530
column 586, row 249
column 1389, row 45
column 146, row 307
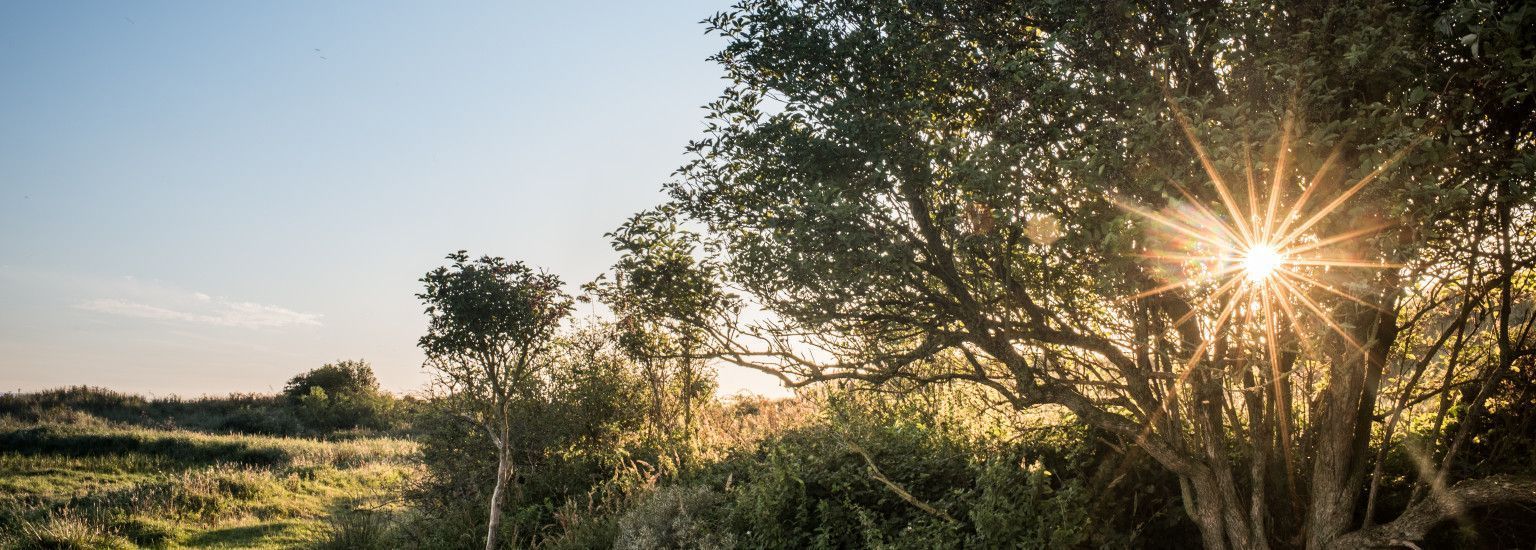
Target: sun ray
column 1218, row 293
column 1317, row 178
column 1198, row 205
column 1283, row 156
column 1290, row 313
column 1161, row 289
column 1179, row 284
column 1205, row 341
column 1353, row 189
column 1253, row 192
column 1261, row 257
column 1347, row 235
column 1331, row 290
column 1333, row 262
column 1181, row 257
column 1171, row 224
column 1189, row 366
column 1322, row 315
column 1271, row 336
column 1210, row 170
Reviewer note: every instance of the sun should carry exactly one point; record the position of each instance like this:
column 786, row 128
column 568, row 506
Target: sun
column 1261, row 261
column 1274, row 248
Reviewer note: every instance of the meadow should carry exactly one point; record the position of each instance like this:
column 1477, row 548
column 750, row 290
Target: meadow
column 71, row 479
column 92, row 468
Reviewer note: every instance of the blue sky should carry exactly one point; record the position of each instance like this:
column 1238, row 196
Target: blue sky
column 206, row 197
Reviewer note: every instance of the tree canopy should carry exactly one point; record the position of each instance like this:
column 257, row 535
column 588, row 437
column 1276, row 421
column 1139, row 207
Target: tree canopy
column 1050, row 199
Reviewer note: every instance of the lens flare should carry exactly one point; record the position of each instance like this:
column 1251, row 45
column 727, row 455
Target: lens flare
column 1263, row 241
column 1261, row 261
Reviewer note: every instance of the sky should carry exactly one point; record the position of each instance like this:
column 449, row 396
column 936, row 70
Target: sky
column 199, row 198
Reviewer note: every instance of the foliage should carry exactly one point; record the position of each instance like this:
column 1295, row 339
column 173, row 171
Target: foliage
column 662, row 293
column 491, row 324
column 369, row 413
column 575, row 439
column 358, row 530
column 676, row 516
column 985, row 239
column 489, row 306
column 813, row 487
column 939, row 191
column 337, row 396
column 339, row 378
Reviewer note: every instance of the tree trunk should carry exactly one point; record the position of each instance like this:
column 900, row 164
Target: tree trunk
column 1200, row 501
column 503, row 475
column 1344, row 427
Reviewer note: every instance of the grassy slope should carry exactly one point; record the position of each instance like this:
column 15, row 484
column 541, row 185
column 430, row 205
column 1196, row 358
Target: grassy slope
column 97, row 485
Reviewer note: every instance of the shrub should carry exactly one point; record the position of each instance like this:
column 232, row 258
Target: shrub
column 599, row 531
column 341, row 377
column 1019, row 505
column 260, row 420
column 676, row 517
column 808, row 488
column 340, row 395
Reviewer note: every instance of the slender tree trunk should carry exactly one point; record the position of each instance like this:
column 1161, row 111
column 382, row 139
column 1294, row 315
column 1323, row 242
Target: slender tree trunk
column 503, row 475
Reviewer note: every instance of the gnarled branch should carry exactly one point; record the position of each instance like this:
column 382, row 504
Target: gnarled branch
column 1416, row 522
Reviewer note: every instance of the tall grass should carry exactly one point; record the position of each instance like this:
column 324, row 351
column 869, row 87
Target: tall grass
column 77, row 481
column 255, row 414
column 76, row 440
column 224, row 413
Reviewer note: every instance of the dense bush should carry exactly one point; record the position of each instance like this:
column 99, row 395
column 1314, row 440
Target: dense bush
column 821, row 487
column 358, row 530
column 678, row 516
column 341, row 377
column 235, row 412
column 338, row 396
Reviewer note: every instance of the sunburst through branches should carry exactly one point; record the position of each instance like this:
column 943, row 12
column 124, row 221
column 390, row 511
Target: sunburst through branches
column 1255, row 264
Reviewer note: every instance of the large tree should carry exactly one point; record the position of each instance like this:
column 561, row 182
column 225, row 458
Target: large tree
column 1247, row 237
column 491, row 328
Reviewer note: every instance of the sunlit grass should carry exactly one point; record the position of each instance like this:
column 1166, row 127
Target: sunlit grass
column 101, row 486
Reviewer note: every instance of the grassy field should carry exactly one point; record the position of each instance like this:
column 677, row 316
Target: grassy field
column 85, row 483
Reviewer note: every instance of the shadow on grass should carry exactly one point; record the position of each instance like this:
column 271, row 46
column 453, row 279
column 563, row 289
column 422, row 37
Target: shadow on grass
column 67, row 442
column 278, row 534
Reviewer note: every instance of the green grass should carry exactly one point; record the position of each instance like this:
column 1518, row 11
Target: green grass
column 87, row 484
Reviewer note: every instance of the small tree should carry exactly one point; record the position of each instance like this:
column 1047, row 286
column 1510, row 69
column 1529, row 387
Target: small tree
column 491, row 327
column 663, row 291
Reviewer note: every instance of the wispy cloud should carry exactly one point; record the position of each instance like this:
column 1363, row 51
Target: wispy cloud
column 202, row 309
